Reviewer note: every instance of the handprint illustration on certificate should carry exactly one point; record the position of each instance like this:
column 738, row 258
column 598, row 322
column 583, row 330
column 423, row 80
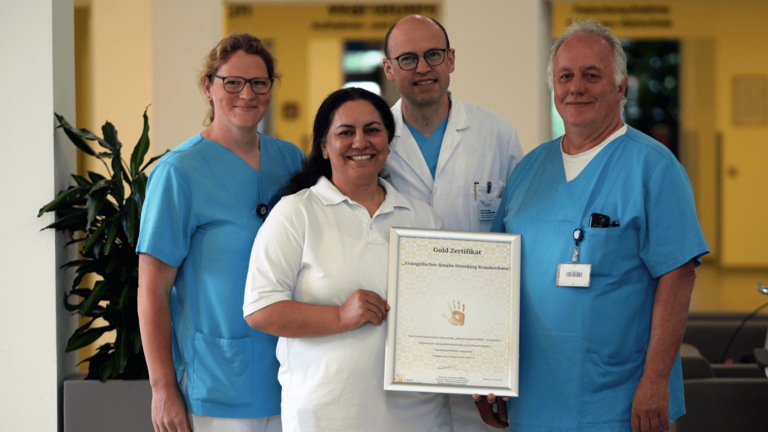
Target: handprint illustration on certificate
column 453, row 326
column 457, row 314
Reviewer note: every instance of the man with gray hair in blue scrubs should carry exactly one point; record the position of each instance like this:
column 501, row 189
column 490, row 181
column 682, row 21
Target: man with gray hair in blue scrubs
column 610, row 245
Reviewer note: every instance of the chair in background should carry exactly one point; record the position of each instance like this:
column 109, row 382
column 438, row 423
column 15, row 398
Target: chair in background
column 722, row 397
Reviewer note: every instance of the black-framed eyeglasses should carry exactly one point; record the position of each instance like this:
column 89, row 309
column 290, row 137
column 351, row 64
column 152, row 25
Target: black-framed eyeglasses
column 433, row 57
column 235, row 84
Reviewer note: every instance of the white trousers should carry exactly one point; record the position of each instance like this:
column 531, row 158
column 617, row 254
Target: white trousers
column 218, row 424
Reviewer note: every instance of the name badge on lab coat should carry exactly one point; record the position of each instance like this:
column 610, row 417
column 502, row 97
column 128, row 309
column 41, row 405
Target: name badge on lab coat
column 573, row 274
column 488, row 208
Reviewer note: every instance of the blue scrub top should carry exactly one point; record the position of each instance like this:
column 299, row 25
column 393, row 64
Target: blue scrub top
column 582, row 350
column 430, row 147
column 200, row 216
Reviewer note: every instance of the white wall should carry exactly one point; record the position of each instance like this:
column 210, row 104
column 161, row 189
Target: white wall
column 183, row 32
column 35, row 166
column 502, row 51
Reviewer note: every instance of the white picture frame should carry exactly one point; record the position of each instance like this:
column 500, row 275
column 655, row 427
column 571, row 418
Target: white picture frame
column 440, row 354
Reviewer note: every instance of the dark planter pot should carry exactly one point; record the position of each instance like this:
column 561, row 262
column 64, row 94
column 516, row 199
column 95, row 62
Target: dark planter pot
column 115, row 406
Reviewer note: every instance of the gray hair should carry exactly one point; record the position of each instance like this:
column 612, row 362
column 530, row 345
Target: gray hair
column 593, row 27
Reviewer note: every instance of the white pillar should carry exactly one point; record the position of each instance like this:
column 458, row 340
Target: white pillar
column 183, row 32
column 37, row 41
column 502, row 50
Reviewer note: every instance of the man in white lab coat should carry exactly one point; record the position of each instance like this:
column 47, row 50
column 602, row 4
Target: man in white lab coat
column 454, row 155
column 446, row 151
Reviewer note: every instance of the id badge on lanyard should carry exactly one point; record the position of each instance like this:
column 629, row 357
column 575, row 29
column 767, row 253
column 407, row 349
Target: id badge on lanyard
column 574, row 273
column 488, row 207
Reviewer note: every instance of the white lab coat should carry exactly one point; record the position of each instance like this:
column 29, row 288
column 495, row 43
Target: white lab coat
column 479, row 146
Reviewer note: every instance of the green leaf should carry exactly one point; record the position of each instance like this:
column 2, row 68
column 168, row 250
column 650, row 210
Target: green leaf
column 95, row 177
column 80, row 133
column 74, row 136
column 78, row 279
column 106, row 371
column 70, row 307
column 66, row 211
column 99, row 289
column 83, row 328
column 75, row 263
column 137, row 157
column 98, row 312
column 81, row 181
column 72, row 221
column 82, row 292
column 97, row 197
column 117, row 179
column 110, row 136
column 125, row 177
column 63, row 197
column 137, row 341
column 86, row 338
column 123, row 294
column 96, row 250
column 94, row 203
column 114, row 260
column 122, row 349
column 99, row 185
column 128, row 219
column 85, row 133
column 87, row 268
column 94, row 237
column 151, row 161
column 80, row 240
column 62, row 222
column 138, row 189
column 113, row 227
column 87, row 359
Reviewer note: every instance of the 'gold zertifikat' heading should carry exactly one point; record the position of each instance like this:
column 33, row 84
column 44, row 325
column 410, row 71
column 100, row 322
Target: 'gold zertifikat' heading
column 457, row 251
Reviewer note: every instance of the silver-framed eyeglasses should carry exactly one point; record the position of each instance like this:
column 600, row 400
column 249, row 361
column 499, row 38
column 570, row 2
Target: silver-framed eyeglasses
column 235, row 84
column 433, row 57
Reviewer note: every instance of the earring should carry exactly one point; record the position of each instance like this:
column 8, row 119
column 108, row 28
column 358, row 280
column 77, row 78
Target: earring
column 325, row 155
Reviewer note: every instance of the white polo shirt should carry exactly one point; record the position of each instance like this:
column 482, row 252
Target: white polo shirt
column 317, row 247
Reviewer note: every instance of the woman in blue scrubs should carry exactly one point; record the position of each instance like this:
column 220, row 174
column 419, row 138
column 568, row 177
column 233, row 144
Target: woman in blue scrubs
column 205, row 202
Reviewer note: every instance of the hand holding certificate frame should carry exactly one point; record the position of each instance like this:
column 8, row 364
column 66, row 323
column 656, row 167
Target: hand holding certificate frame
column 453, row 326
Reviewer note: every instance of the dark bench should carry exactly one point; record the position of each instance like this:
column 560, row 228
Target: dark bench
column 709, row 333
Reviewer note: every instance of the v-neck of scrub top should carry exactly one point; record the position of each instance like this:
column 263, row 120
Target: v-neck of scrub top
column 242, row 181
column 576, row 163
column 553, row 199
column 430, row 146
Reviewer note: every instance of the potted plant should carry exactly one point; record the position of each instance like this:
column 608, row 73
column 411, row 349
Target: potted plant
column 102, row 213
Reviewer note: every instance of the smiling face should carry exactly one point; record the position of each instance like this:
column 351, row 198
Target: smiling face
column 356, row 144
column 586, row 95
column 244, row 109
column 425, row 85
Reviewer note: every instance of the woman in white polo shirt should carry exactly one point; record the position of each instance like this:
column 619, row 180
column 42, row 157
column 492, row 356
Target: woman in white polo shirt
column 318, row 278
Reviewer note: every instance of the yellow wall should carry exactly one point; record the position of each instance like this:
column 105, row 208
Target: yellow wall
column 720, row 40
column 308, row 43
column 113, row 54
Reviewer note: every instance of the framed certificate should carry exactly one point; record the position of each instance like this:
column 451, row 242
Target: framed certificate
column 453, row 323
